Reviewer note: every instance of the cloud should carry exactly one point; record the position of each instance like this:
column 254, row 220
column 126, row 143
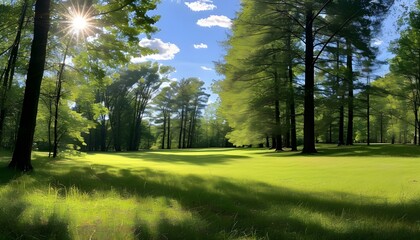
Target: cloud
column 165, row 50
column 206, row 68
column 215, row 21
column 200, row 46
column 377, row 42
column 201, row 5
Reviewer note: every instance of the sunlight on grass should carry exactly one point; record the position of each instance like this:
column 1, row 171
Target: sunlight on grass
column 215, row 194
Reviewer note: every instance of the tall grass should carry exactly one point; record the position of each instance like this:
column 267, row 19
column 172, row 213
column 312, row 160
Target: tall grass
column 353, row 192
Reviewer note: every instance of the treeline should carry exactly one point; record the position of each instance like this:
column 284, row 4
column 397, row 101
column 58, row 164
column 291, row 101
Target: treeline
column 301, row 72
column 93, row 97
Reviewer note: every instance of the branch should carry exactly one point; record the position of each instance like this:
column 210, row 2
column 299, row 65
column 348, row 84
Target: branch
column 333, row 35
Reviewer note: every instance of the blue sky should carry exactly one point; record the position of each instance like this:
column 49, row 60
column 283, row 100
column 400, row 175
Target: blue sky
column 190, row 36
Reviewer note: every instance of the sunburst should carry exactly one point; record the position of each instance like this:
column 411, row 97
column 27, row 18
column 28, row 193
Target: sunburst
column 79, row 21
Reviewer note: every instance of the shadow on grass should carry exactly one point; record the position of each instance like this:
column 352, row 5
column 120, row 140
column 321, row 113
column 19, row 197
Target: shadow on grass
column 230, row 210
column 374, row 150
column 15, row 224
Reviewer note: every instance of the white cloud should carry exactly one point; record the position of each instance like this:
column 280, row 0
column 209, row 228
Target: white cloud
column 201, row 5
column 165, row 50
column 215, row 20
column 377, row 42
column 200, row 46
column 206, row 68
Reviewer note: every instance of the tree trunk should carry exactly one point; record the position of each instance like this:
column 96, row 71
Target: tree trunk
column 309, row 105
column 181, row 123
column 58, row 98
column 168, row 143
column 291, row 98
column 368, row 112
column 341, row 100
column 287, row 126
column 382, row 127
column 341, row 124
column 164, row 131
column 416, row 123
column 350, row 92
column 21, row 159
column 267, row 142
column 103, row 135
column 115, row 121
column 184, row 134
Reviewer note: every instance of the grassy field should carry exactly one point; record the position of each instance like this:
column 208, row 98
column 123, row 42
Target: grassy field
column 353, row 192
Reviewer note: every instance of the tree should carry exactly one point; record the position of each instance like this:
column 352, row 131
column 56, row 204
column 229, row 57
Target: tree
column 9, row 71
column 190, row 99
column 164, row 103
column 406, row 63
column 22, row 154
column 147, row 78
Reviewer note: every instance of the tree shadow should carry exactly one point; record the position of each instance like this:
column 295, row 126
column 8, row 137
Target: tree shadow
column 14, row 224
column 229, row 209
column 374, row 150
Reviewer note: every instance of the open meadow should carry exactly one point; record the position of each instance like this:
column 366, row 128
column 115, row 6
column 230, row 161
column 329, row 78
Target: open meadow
column 355, row 192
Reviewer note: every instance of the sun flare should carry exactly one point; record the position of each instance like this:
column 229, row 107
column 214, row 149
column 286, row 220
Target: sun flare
column 79, row 21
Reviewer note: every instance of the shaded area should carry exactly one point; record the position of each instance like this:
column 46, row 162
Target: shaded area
column 374, row 150
column 15, row 225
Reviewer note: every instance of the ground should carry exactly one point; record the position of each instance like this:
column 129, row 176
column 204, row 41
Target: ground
column 355, row 192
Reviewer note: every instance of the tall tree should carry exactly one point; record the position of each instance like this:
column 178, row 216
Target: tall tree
column 148, row 78
column 22, row 154
column 406, row 63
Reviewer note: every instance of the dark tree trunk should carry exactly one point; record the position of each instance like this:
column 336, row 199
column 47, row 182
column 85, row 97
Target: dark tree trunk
column 274, row 142
column 309, row 111
column 279, row 141
column 330, row 133
column 287, row 126
column 382, row 127
column 350, row 92
column 416, row 124
column 116, row 130
column 103, row 136
column 168, row 143
column 184, row 134
column 368, row 112
column 21, row 159
column 190, row 130
column 181, row 123
column 341, row 123
column 164, row 131
column 267, row 142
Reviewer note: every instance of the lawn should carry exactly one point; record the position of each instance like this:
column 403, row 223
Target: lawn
column 355, row 192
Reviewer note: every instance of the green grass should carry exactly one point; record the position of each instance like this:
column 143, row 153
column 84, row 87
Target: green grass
column 355, row 192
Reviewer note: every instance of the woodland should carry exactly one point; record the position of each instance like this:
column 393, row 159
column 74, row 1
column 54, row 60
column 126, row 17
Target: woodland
column 295, row 73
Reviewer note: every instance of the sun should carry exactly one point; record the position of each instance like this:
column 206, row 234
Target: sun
column 79, row 21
